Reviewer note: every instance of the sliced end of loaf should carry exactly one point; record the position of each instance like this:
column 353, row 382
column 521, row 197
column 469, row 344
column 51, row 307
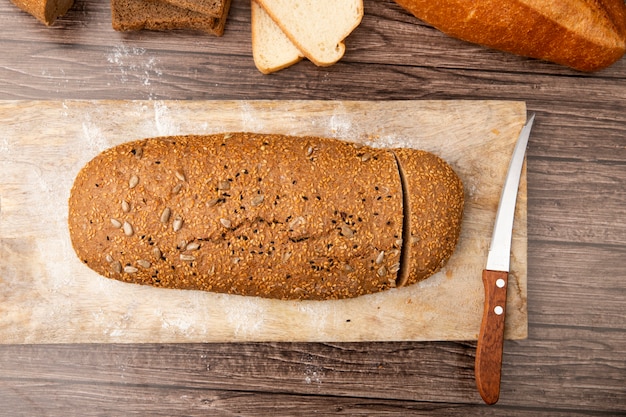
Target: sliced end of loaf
column 46, row 11
column 433, row 206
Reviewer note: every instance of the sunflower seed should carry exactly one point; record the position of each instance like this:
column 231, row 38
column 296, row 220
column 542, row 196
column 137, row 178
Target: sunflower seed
column 130, row 269
column 177, row 224
column 177, row 188
column 223, row 185
column 212, row 202
column 143, row 263
column 348, row 268
column 165, row 215
column 366, row 157
column 235, row 260
column 109, row 258
column 134, row 180
column 193, row 246
column 116, row 267
column 180, row 175
column 286, row 256
column 157, row 252
column 138, row 153
column 394, row 268
column 380, row 258
column 125, row 206
column 226, row 223
column 382, row 271
column 211, row 270
column 296, row 222
column 189, row 258
column 128, row 229
column 346, row 231
column 116, row 223
column 310, row 150
column 257, row 200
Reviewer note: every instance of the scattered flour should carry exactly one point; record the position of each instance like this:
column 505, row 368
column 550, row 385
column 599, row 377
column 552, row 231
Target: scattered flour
column 133, row 65
column 165, row 123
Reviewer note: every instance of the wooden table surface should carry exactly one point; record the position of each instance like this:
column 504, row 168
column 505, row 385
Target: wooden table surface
column 574, row 360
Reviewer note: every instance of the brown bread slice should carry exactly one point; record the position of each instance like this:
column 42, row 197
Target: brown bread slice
column 250, row 214
column 587, row 35
column 129, row 15
column 214, row 8
column 45, row 11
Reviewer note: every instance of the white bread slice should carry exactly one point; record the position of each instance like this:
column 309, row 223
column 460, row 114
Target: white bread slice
column 271, row 48
column 316, row 27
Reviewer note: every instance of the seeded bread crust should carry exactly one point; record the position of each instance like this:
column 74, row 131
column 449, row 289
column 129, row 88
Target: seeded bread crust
column 131, row 15
column 45, row 11
column 250, row 214
column 434, row 198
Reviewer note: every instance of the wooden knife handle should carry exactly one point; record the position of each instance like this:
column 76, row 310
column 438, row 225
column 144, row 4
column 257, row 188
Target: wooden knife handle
column 491, row 338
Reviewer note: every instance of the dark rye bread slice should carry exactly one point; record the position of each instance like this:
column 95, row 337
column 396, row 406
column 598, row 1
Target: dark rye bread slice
column 250, row 214
column 45, row 11
column 129, row 15
column 213, row 8
column 434, row 203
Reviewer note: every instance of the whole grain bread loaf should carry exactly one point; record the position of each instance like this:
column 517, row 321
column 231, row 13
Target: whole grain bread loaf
column 45, row 11
column 265, row 215
column 130, row 15
column 587, row 35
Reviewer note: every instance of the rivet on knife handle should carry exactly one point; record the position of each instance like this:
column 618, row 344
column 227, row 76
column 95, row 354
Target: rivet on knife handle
column 491, row 338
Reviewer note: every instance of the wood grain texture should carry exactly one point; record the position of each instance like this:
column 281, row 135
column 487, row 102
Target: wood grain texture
column 572, row 363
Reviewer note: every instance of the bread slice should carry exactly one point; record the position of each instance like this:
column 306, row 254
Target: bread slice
column 45, row 11
column 271, row 48
column 587, row 35
column 317, row 27
column 129, row 15
column 214, row 8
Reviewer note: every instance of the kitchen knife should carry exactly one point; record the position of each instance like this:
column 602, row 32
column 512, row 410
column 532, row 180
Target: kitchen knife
column 488, row 364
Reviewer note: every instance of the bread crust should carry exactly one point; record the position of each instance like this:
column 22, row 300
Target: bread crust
column 433, row 204
column 46, row 11
column 250, row 214
column 587, row 35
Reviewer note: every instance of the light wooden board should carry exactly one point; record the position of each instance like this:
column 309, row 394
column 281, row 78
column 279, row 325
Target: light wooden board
column 48, row 296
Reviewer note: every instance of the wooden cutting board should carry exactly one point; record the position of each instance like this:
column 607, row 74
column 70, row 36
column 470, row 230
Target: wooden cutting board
column 48, row 296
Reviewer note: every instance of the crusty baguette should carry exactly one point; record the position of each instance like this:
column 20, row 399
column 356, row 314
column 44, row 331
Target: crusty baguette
column 317, row 28
column 130, row 15
column 45, row 11
column 271, row 48
column 587, row 35
column 262, row 215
